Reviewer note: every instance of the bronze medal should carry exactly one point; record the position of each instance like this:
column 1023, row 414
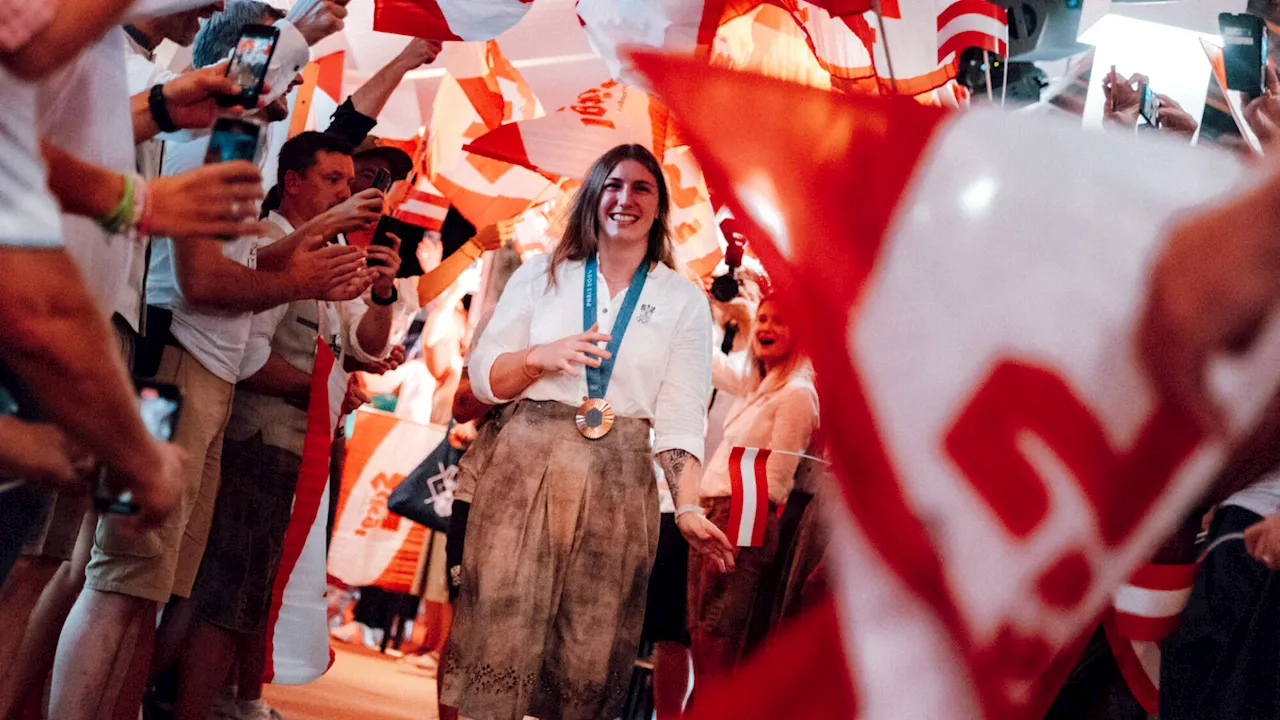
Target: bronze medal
column 594, row 418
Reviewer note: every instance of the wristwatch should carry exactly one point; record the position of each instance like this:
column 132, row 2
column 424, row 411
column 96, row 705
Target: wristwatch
column 159, row 108
column 395, row 295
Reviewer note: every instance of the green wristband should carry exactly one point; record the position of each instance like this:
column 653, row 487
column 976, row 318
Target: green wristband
column 121, row 215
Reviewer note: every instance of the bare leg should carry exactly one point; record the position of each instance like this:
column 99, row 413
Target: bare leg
column 204, row 665
column 251, row 657
column 25, row 683
column 175, row 626
column 120, row 672
column 670, row 679
column 132, row 679
column 88, row 650
column 28, row 582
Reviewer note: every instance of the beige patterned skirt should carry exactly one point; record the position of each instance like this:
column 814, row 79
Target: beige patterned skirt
column 560, row 540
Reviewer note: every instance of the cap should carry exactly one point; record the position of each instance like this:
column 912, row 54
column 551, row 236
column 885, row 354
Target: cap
column 397, row 160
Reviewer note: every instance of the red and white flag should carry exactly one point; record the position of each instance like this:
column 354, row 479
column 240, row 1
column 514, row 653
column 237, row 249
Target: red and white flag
column 972, row 23
column 371, row 545
column 1146, row 611
column 568, row 141
column 423, row 205
column 480, row 92
column 676, row 26
column 449, row 19
column 749, row 501
column 297, row 630
column 1004, row 460
column 770, row 41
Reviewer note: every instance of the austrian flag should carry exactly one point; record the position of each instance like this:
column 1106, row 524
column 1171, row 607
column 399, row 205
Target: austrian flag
column 972, row 23
column 749, row 503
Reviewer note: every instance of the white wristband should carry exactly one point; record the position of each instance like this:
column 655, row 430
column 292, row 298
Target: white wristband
column 689, row 508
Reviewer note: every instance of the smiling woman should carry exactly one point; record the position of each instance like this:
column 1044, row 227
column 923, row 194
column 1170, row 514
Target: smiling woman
column 563, row 524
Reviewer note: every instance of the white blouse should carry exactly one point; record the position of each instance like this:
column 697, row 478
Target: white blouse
column 663, row 368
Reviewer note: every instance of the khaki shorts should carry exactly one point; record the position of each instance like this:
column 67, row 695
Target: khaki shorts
column 57, row 538
column 164, row 561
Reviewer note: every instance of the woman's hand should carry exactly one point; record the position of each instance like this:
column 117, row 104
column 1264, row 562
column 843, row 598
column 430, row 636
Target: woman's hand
column 1122, row 98
column 1262, row 541
column 565, row 354
column 704, row 537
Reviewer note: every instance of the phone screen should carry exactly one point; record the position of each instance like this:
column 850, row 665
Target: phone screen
column 159, row 413
column 159, row 405
column 233, row 139
column 1149, row 108
column 1244, row 49
column 382, row 180
column 250, row 62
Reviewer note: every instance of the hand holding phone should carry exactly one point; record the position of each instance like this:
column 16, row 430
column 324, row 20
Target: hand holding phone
column 160, row 405
column 249, row 64
column 1149, row 105
column 1244, row 52
column 233, row 139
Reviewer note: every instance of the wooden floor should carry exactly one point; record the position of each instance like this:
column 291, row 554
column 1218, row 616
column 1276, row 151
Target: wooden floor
column 361, row 685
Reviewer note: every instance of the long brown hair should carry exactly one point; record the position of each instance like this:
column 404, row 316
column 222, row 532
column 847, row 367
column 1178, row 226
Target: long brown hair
column 582, row 224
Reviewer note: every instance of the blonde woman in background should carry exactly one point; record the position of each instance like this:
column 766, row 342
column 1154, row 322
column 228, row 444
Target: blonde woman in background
column 778, row 411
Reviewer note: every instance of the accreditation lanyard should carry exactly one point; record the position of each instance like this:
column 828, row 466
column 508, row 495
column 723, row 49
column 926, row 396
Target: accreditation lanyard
column 598, row 377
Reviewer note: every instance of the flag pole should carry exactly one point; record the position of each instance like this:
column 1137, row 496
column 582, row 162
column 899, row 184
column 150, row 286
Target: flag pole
column 1004, row 85
column 884, row 41
column 986, row 67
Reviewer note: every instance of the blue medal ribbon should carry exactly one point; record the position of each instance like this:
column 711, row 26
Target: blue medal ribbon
column 598, row 377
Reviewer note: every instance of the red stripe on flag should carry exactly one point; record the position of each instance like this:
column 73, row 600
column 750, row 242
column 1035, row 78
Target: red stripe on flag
column 503, row 143
column 430, row 223
column 1154, row 576
column 971, row 38
column 971, row 7
column 1135, row 674
column 735, row 495
column 420, row 18
column 313, row 478
column 762, row 498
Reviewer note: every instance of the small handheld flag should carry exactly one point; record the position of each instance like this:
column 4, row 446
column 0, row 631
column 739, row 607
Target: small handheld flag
column 749, row 503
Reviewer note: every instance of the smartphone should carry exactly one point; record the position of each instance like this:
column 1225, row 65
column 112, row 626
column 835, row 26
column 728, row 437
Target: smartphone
column 1149, row 106
column 410, row 238
column 382, row 179
column 233, row 139
column 1244, row 52
column 159, row 405
column 249, row 64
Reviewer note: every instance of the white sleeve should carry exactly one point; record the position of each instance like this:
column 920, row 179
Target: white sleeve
column 725, row 376
column 680, row 418
column 508, row 328
column 262, row 328
column 350, row 314
column 291, row 55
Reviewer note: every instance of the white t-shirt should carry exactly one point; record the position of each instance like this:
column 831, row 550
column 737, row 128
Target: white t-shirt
column 663, row 368
column 1262, row 497
column 217, row 338
column 84, row 109
column 28, row 212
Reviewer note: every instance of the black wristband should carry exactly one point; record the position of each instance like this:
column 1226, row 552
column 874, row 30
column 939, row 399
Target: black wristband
column 395, row 295
column 160, row 110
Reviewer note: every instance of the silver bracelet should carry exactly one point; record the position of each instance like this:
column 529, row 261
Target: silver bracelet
column 689, row 508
